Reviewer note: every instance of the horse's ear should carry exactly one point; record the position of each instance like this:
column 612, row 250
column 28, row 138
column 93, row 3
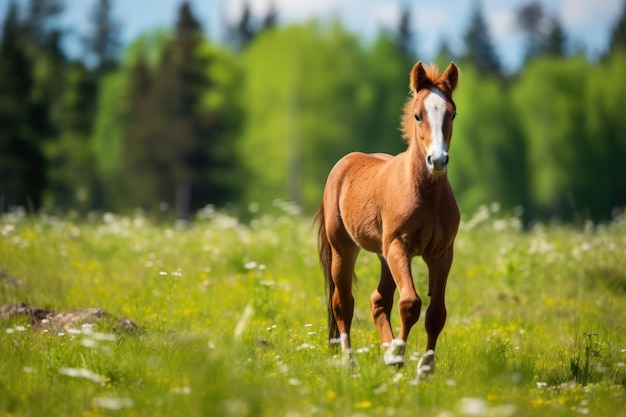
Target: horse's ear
column 418, row 77
column 450, row 76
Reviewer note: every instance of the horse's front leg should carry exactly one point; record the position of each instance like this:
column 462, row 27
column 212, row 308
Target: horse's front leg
column 409, row 303
column 436, row 313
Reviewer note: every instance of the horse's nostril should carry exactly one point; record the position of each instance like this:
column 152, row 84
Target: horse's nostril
column 429, row 160
column 446, row 160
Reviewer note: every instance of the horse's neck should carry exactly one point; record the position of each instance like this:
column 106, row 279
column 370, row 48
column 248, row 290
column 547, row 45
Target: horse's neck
column 418, row 172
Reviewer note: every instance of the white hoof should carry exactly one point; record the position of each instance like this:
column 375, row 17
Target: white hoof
column 347, row 360
column 426, row 365
column 395, row 353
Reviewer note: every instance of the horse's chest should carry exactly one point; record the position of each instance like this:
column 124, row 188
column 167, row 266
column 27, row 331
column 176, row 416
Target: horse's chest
column 427, row 235
column 419, row 239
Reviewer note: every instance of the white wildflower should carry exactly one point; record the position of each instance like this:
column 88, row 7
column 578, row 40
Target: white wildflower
column 82, row 373
column 112, row 403
column 473, row 406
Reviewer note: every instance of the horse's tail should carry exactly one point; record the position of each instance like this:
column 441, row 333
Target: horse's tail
column 325, row 254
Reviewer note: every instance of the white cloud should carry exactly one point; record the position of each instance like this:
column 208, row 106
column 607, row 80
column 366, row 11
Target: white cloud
column 387, row 14
column 589, row 23
column 589, row 14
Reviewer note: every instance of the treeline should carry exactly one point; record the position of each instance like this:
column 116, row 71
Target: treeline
column 175, row 121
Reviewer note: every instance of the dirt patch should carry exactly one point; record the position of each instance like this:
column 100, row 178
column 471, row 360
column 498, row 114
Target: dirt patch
column 42, row 319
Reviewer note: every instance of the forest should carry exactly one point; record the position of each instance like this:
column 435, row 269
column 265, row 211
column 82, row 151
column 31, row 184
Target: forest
column 175, row 121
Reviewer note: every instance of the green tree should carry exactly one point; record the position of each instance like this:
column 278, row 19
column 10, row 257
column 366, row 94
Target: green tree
column 113, row 117
column 244, row 31
column 305, row 99
column 544, row 34
column 405, row 34
column 191, row 150
column 42, row 37
column 556, row 39
column 21, row 159
column 102, row 42
column 487, row 156
column 72, row 181
column 41, row 22
column 606, row 126
column 479, row 48
column 386, row 87
column 39, row 37
column 271, row 18
column 167, row 121
column 618, row 34
column 550, row 99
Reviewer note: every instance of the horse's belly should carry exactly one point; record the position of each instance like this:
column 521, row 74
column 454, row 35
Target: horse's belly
column 366, row 235
column 358, row 199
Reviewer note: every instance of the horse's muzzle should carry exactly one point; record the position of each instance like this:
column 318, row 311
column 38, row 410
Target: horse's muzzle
column 438, row 165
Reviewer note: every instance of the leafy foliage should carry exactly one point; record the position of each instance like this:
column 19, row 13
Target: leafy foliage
column 479, row 46
column 174, row 118
column 289, row 146
column 488, row 150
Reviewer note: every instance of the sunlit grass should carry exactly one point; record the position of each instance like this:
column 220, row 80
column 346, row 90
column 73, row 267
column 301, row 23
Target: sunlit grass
column 233, row 322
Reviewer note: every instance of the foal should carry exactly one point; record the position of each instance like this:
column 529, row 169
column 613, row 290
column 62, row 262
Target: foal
column 397, row 207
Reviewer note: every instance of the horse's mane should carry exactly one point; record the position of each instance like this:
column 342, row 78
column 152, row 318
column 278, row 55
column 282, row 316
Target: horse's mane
column 407, row 119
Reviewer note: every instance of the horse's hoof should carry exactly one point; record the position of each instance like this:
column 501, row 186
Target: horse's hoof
column 395, row 353
column 426, row 365
column 347, row 360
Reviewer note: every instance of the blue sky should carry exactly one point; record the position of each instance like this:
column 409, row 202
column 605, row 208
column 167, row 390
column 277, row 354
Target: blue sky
column 588, row 23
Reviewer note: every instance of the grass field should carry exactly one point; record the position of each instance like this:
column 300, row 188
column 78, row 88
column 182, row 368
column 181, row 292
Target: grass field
column 232, row 322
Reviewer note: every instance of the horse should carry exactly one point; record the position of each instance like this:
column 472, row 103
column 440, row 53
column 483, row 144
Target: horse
column 398, row 207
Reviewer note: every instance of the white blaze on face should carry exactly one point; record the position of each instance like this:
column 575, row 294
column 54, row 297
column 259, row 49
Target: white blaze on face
column 435, row 106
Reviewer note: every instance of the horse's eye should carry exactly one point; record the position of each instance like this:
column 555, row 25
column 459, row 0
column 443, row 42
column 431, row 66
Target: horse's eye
column 417, row 117
column 453, row 115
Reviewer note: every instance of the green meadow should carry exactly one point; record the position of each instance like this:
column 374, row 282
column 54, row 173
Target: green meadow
column 232, row 321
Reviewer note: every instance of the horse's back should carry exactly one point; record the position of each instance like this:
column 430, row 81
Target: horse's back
column 354, row 168
column 358, row 169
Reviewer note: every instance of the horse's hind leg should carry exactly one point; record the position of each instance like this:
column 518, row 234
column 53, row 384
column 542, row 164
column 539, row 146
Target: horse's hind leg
column 381, row 303
column 342, row 271
column 436, row 313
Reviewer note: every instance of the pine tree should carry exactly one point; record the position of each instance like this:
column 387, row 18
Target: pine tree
column 42, row 37
column 71, row 169
column 479, row 46
column 140, row 160
column 405, row 33
column 555, row 39
column 40, row 20
column 102, row 43
column 21, row 160
column 244, row 31
column 173, row 145
column 618, row 35
column 271, row 18
column 196, row 134
column 73, row 182
column 544, row 35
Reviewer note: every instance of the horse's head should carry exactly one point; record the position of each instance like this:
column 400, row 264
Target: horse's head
column 432, row 111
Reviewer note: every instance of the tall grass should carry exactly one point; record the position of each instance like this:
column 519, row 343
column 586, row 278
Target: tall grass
column 232, row 321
